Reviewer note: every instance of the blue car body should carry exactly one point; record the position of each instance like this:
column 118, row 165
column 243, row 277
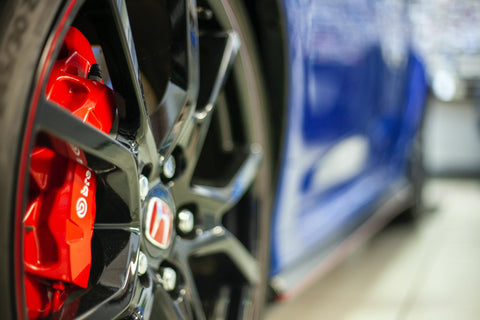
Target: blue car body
column 356, row 97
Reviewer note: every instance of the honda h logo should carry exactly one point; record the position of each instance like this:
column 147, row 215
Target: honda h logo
column 159, row 223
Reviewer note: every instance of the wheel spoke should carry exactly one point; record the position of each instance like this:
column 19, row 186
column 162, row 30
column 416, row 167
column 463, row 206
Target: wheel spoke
column 191, row 294
column 215, row 201
column 57, row 121
column 218, row 200
column 220, row 240
column 165, row 307
column 60, row 123
column 190, row 302
column 142, row 132
column 220, row 311
column 217, row 54
column 193, row 142
column 225, row 46
column 117, row 287
column 117, row 226
column 176, row 98
column 223, row 121
column 183, row 87
column 124, row 30
column 187, row 305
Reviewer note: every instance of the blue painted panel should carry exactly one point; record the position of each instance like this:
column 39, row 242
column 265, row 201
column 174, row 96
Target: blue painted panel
column 352, row 113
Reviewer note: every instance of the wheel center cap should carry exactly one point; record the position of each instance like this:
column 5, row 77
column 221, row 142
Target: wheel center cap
column 159, row 223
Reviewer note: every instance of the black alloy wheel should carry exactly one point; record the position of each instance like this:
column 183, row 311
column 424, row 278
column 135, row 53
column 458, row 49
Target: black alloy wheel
column 189, row 135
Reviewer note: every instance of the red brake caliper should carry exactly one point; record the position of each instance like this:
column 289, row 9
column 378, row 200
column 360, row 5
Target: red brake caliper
column 61, row 202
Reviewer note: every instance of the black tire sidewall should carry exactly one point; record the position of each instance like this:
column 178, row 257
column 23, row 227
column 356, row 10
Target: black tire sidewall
column 24, row 30
column 263, row 185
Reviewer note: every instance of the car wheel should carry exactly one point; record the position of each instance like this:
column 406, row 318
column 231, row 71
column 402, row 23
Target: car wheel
column 136, row 177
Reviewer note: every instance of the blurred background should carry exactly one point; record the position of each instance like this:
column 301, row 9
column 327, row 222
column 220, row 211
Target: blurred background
column 429, row 269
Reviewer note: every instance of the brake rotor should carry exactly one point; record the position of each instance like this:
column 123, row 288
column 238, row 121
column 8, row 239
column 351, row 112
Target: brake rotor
column 61, row 203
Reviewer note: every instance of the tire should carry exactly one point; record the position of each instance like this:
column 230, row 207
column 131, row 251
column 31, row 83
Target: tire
column 193, row 143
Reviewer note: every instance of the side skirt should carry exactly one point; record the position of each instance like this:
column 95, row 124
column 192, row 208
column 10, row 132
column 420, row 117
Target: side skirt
column 303, row 274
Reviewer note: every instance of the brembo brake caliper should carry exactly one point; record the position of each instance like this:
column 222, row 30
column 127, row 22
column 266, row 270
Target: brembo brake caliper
column 61, row 200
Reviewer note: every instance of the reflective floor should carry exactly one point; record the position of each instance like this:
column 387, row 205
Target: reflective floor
column 427, row 270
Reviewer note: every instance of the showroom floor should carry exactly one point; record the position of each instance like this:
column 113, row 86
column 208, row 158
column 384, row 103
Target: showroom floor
column 427, row 270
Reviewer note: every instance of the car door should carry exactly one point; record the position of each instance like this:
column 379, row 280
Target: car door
column 346, row 111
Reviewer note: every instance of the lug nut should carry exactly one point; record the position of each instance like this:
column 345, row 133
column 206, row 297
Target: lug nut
column 143, row 187
column 142, row 264
column 169, row 279
column 169, row 167
column 186, row 221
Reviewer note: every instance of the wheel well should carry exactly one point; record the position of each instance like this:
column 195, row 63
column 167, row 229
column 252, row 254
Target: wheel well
column 267, row 21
